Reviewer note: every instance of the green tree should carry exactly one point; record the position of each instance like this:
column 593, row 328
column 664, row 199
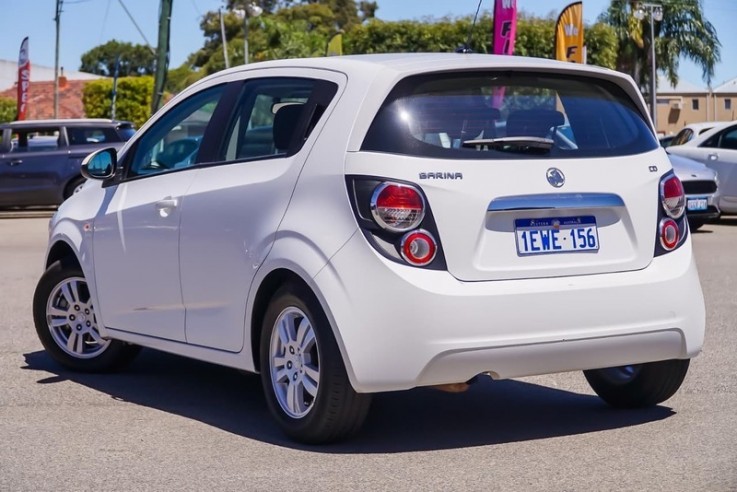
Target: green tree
column 178, row 79
column 135, row 59
column 683, row 32
column 8, row 108
column 133, row 102
column 534, row 38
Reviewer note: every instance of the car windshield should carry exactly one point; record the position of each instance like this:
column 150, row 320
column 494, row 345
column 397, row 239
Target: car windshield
column 507, row 115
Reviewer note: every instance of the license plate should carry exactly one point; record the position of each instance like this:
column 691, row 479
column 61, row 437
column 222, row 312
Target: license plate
column 697, row 204
column 556, row 235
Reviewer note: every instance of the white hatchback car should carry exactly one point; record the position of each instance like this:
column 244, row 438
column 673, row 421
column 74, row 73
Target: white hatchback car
column 360, row 224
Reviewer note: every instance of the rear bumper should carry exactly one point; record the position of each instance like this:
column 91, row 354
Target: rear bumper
column 711, row 213
column 400, row 327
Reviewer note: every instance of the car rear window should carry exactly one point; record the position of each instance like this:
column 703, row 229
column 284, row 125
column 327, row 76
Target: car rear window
column 487, row 115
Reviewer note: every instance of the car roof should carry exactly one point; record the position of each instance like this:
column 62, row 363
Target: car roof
column 697, row 127
column 65, row 122
column 409, row 63
column 697, row 140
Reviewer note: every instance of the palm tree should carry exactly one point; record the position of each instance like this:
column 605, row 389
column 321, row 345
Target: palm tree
column 683, row 32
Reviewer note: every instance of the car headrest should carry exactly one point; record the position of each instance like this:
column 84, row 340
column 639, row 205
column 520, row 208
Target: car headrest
column 533, row 122
column 285, row 123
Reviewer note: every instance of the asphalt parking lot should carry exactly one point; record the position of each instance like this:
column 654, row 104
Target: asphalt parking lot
column 168, row 423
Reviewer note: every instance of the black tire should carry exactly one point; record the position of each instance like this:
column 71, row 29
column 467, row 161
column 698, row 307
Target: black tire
column 74, row 324
column 69, row 190
column 638, row 385
column 336, row 411
column 695, row 224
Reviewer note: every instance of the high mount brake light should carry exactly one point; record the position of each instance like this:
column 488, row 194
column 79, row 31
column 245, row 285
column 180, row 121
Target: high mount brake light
column 397, row 207
column 673, row 197
column 418, row 247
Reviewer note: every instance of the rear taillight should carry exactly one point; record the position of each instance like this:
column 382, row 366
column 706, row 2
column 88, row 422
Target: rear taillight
column 669, row 234
column 672, row 224
column 672, row 196
column 418, row 247
column 397, row 221
column 397, row 207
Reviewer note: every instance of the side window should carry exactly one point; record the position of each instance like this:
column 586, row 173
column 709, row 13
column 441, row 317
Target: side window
column 174, row 140
column 91, row 135
column 682, row 137
column 268, row 116
column 35, row 140
column 728, row 139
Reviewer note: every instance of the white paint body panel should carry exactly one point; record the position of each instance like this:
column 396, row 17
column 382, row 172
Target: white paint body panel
column 397, row 326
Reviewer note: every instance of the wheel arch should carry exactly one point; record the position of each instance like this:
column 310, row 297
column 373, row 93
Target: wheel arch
column 266, row 290
column 61, row 251
column 71, row 184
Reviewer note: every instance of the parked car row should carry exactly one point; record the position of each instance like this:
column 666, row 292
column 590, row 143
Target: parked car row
column 40, row 159
column 716, row 148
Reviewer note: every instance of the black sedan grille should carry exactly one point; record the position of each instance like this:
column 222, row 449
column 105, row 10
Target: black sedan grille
column 699, row 187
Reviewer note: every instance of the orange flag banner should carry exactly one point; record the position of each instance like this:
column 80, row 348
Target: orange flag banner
column 569, row 34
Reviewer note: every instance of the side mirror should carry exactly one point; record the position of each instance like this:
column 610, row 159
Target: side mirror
column 100, row 164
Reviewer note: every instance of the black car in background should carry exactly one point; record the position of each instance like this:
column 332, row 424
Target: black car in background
column 40, row 159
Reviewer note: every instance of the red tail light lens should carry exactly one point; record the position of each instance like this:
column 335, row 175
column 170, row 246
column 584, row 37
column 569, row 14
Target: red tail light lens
column 418, row 248
column 397, row 207
column 669, row 234
column 673, row 197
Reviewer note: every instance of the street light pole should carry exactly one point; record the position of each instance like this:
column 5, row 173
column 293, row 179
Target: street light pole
column 245, row 31
column 57, row 19
column 655, row 10
column 225, row 41
column 248, row 10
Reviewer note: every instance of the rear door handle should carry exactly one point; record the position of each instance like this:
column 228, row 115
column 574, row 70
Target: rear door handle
column 166, row 205
column 713, row 157
column 15, row 162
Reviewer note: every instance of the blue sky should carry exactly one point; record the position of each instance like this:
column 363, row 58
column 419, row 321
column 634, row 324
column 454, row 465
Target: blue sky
column 88, row 23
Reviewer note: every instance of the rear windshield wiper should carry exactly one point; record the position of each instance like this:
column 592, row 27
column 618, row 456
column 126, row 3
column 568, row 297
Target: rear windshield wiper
column 512, row 144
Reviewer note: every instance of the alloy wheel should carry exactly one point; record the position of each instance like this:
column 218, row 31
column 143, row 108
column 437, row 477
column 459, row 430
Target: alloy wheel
column 294, row 362
column 71, row 319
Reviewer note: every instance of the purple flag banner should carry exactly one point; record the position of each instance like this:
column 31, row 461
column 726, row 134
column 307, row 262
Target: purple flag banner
column 505, row 26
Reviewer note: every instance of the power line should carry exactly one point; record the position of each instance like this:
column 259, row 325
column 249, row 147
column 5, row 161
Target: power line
column 136, row 24
column 104, row 22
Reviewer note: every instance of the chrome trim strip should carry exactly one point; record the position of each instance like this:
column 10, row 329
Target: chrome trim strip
column 555, row 201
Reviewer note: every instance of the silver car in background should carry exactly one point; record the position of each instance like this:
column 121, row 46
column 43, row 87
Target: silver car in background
column 701, row 186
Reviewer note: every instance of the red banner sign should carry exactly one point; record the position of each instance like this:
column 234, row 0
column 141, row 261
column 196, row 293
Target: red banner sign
column 24, row 79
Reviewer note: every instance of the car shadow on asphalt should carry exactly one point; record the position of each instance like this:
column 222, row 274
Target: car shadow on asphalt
column 490, row 412
column 731, row 221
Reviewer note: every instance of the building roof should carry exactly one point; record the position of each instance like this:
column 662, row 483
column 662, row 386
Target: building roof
column 41, row 99
column 9, row 74
column 729, row 87
column 683, row 87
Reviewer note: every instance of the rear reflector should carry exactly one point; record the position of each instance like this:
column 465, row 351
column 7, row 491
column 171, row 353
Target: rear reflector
column 669, row 234
column 673, row 197
column 418, row 248
column 397, row 207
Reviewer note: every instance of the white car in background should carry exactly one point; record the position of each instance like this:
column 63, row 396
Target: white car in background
column 693, row 130
column 717, row 149
column 359, row 224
